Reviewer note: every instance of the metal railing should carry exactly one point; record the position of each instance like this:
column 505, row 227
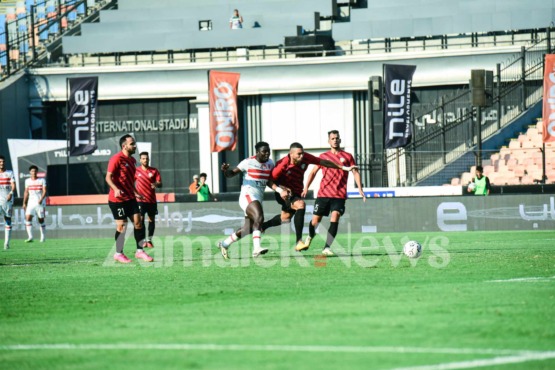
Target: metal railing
column 449, row 124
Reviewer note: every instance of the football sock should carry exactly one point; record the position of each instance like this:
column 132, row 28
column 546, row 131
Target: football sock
column 120, row 241
column 139, row 237
column 230, row 240
column 29, row 229
column 274, row 221
column 42, row 230
column 311, row 229
column 256, row 239
column 332, row 232
column 8, row 230
column 151, row 227
column 299, row 223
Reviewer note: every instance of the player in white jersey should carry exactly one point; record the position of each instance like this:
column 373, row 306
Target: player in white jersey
column 34, row 202
column 256, row 170
column 7, row 188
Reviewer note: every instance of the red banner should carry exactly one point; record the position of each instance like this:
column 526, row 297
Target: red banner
column 548, row 133
column 224, row 122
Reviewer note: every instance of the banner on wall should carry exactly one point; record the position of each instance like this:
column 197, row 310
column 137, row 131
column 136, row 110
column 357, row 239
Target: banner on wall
column 81, row 118
column 397, row 105
column 224, row 122
column 548, row 132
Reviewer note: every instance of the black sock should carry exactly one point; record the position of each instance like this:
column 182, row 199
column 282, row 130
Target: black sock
column 139, row 237
column 151, row 226
column 311, row 230
column 332, row 232
column 120, row 241
column 299, row 223
column 274, row 221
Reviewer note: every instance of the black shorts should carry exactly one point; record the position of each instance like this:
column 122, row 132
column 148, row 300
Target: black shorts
column 286, row 204
column 323, row 206
column 124, row 210
column 150, row 208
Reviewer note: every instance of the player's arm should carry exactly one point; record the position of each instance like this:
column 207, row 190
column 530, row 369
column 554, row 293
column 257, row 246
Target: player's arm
column 330, row 164
column 158, row 181
column 488, row 186
column 25, row 197
column 112, row 185
column 230, row 173
column 12, row 191
column 358, row 181
column 309, row 180
column 283, row 191
column 43, row 194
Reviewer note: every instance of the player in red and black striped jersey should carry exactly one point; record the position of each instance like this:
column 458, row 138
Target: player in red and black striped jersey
column 122, row 198
column 147, row 179
column 289, row 171
column 333, row 191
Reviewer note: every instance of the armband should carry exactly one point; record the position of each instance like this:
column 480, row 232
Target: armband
column 345, row 168
column 10, row 193
column 278, row 189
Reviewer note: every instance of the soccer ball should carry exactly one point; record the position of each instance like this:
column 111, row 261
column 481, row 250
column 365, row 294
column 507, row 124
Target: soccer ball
column 412, row 249
column 471, row 186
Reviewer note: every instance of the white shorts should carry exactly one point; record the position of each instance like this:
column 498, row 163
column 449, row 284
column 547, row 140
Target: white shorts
column 6, row 209
column 35, row 209
column 249, row 195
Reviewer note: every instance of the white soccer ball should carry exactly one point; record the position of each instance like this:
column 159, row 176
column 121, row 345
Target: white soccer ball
column 471, row 186
column 412, row 249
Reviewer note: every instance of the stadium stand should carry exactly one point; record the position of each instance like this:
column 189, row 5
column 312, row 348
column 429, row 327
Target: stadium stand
column 518, row 163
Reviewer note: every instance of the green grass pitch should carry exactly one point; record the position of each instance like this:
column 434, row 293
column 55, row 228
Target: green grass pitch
column 473, row 299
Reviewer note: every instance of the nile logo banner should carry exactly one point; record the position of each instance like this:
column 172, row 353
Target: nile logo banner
column 398, row 85
column 548, row 133
column 81, row 118
column 224, row 122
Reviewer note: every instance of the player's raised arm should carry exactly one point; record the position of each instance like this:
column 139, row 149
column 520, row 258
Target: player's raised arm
column 230, row 173
column 309, row 180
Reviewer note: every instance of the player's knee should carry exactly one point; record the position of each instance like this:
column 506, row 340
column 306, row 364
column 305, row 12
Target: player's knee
column 121, row 227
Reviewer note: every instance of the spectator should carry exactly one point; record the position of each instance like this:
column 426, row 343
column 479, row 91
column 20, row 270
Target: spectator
column 236, row 20
column 480, row 184
column 193, row 188
column 203, row 191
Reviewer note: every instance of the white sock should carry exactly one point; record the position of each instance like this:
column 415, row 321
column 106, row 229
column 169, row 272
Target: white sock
column 28, row 226
column 256, row 239
column 230, row 240
column 7, row 234
column 42, row 230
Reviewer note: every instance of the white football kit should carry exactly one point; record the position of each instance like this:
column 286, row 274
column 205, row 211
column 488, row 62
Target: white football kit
column 6, row 207
column 35, row 189
column 255, row 178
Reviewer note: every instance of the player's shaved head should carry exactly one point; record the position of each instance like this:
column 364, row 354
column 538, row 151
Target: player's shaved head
column 296, row 145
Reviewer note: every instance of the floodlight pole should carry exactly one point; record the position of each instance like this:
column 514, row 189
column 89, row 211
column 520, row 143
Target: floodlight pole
column 479, row 134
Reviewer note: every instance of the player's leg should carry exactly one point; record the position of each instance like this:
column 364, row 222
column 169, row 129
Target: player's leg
column 256, row 216
column 151, row 227
column 7, row 231
column 298, row 205
column 312, row 226
column 29, row 225
column 118, row 211
column 40, row 218
column 138, row 232
column 6, row 211
column 337, row 207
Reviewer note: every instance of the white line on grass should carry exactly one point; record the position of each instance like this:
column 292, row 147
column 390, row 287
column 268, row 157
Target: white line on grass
column 268, row 348
column 541, row 279
column 536, row 356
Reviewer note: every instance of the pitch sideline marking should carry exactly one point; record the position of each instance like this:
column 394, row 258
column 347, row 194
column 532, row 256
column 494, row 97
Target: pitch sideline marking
column 526, row 357
column 540, row 279
column 278, row 348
